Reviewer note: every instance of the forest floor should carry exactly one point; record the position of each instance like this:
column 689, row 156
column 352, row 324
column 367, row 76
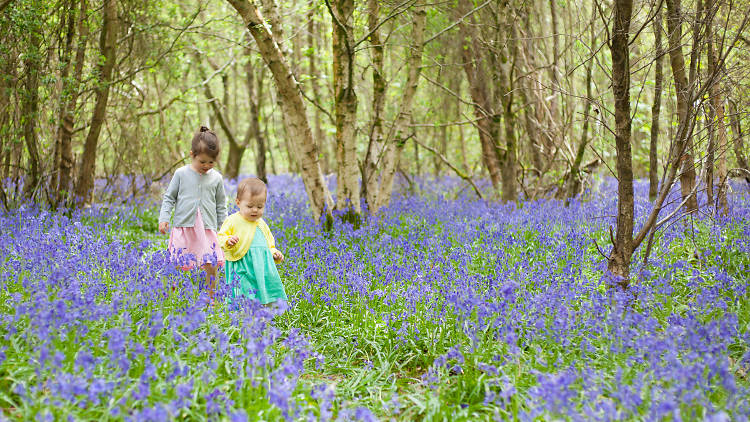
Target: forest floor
column 443, row 307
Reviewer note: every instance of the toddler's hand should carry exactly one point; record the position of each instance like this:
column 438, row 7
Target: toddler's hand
column 232, row 241
column 278, row 256
column 163, row 227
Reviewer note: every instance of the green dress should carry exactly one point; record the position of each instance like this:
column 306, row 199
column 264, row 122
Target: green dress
column 255, row 275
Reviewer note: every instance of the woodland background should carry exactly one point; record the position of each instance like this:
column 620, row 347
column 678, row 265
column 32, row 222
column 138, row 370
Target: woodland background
column 460, row 189
column 530, row 95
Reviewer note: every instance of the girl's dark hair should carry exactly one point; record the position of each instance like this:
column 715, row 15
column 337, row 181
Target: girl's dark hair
column 205, row 142
column 252, row 186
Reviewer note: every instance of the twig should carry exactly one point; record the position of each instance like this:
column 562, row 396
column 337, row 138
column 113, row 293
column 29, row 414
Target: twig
column 178, row 96
column 458, row 172
column 461, row 19
column 169, row 170
column 395, row 13
column 599, row 249
column 315, row 103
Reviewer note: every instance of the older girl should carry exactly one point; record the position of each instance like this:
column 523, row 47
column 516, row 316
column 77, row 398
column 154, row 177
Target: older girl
column 196, row 194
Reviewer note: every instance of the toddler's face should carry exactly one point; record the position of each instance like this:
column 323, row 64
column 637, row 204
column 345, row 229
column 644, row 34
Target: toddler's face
column 202, row 163
column 252, row 206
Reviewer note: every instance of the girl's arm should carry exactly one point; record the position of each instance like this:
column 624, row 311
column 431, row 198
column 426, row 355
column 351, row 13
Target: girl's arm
column 169, row 199
column 277, row 255
column 221, row 204
column 226, row 231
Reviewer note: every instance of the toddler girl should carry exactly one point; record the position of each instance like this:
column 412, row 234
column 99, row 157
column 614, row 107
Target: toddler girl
column 196, row 193
column 249, row 248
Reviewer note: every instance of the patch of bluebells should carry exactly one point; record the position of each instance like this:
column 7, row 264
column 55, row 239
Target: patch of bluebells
column 509, row 294
column 89, row 323
column 525, row 282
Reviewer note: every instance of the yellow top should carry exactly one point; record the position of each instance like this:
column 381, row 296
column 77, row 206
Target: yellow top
column 237, row 225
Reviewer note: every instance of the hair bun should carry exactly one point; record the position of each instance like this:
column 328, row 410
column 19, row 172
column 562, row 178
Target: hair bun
column 204, row 129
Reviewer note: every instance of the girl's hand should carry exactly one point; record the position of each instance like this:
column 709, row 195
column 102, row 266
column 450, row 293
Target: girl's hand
column 278, row 256
column 232, row 241
column 163, row 227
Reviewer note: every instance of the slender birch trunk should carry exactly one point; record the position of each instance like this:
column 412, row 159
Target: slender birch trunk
column 348, row 188
column 255, row 97
column 375, row 146
column 505, row 89
column 574, row 177
column 653, row 170
column 314, row 82
column 717, row 105
column 484, row 111
column 684, row 107
column 738, row 144
column 399, row 132
column 293, row 108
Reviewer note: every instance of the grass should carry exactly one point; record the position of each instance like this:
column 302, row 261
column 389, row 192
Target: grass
column 481, row 312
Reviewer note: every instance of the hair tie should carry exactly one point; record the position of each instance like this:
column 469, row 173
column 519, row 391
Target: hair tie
column 204, row 129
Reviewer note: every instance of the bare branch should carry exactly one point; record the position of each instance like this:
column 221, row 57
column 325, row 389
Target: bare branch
column 458, row 22
column 186, row 90
column 458, row 172
column 387, row 18
column 318, row 106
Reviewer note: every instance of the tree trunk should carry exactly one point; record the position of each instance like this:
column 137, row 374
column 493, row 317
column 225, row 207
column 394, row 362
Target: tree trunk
column 6, row 141
column 108, row 51
column 30, row 109
column 454, row 84
column 417, row 163
column 717, row 105
column 574, row 177
column 253, row 130
column 348, row 189
column 739, row 148
column 710, row 153
column 510, row 159
column 684, row 106
column 234, row 160
column 65, row 53
column 400, row 129
column 270, row 12
column 483, row 108
column 69, row 100
column 540, row 144
column 293, row 108
column 66, row 133
column 442, row 147
column 552, row 99
column 653, row 170
column 375, row 146
column 504, row 89
column 236, row 149
column 314, row 81
column 619, row 259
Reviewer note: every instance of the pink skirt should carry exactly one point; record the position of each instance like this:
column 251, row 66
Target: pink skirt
column 189, row 246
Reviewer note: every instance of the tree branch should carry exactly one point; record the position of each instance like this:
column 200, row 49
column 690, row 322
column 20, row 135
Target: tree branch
column 458, row 22
column 318, row 106
column 389, row 17
column 458, row 172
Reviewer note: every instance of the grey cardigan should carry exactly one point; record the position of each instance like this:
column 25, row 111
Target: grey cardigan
column 189, row 189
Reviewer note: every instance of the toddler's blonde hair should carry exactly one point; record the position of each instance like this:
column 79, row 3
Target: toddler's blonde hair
column 252, row 186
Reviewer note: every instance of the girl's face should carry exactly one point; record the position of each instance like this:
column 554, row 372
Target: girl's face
column 252, row 206
column 202, row 163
